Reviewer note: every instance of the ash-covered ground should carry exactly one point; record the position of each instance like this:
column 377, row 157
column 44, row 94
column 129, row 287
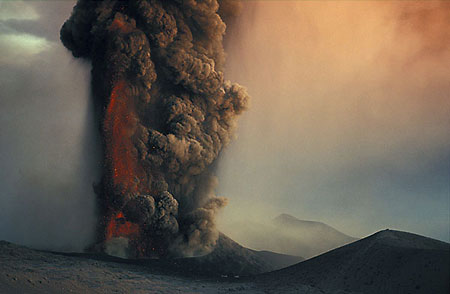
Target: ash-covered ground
column 386, row 262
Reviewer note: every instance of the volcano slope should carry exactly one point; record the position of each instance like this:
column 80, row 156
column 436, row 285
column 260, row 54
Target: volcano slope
column 386, row 262
column 228, row 259
column 24, row 270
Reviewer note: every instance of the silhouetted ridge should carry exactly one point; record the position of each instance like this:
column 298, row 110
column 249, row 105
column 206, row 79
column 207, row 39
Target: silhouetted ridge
column 385, row 262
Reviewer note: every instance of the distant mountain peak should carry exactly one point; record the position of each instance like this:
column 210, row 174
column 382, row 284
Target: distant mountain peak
column 289, row 235
column 287, row 218
column 317, row 230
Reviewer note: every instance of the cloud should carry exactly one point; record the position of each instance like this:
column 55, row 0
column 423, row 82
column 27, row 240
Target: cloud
column 49, row 154
column 343, row 94
column 19, row 48
column 17, row 10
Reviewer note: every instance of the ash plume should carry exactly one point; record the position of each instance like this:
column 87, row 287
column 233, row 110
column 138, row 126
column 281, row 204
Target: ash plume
column 157, row 71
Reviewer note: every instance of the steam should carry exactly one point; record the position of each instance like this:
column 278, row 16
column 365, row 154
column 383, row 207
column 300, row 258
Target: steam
column 157, row 70
column 351, row 102
column 49, row 155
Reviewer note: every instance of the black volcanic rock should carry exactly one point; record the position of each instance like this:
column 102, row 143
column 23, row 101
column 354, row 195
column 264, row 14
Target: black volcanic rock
column 386, row 262
column 228, row 258
column 27, row 271
column 244, row 261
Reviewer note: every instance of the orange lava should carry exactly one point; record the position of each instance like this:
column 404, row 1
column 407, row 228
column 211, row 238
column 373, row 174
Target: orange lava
column 126, row 174
column 119, row 227
column 119, row 125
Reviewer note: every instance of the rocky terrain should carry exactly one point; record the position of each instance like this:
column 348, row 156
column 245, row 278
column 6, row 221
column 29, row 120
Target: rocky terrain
column 386, row 262
column 228, row 259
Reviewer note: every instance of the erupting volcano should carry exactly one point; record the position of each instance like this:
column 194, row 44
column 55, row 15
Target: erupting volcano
column 157, row 72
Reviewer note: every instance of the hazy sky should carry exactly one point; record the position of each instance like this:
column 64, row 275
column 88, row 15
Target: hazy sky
column 349, row 123
column 49, row 146
column 350, row 115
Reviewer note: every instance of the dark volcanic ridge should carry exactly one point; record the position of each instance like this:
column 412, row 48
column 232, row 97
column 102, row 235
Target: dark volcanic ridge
column 230, row 258
column 227, row 259
column 386, row 262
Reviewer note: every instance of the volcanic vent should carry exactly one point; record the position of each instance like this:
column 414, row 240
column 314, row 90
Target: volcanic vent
column 157, row 71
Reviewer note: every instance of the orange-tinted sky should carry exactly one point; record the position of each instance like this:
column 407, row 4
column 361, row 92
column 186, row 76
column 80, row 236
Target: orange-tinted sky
column 350, row 116
column 349, row 122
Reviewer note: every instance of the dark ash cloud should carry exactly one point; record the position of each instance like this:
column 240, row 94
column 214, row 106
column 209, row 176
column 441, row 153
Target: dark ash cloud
column 168, row 113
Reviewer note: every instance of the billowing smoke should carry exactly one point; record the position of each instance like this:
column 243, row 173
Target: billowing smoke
column 157, row 70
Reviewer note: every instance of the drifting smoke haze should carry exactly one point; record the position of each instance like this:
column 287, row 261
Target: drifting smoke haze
column 351, row 100
column 349, row 123
column 168, row 113
column 49, row 152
